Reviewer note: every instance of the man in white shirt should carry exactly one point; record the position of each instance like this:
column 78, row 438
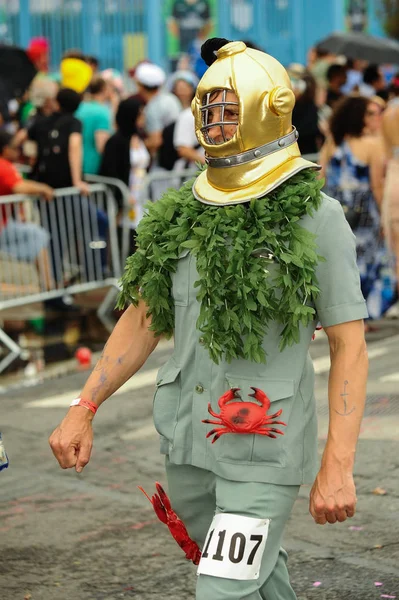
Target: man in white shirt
column 162, row 108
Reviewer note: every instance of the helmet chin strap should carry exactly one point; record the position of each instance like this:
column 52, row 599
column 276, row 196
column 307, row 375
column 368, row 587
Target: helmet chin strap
column 255, row 153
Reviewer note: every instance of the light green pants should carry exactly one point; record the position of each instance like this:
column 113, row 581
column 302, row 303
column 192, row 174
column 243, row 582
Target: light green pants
column 196, row 496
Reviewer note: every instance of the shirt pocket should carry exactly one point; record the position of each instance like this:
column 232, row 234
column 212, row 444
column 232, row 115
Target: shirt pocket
column 259, row 448
column 181, row 279
column 167, row 400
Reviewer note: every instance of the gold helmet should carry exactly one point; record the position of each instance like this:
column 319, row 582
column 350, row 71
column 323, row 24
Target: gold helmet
column 260, row 152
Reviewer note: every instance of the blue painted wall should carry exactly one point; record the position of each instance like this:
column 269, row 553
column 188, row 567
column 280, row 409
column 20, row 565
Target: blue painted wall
column 288, row 28
column 120, row 32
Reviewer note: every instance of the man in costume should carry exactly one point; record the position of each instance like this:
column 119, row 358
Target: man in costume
column 240, row 265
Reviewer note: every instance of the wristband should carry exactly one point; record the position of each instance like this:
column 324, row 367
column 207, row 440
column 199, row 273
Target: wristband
column 86, row 403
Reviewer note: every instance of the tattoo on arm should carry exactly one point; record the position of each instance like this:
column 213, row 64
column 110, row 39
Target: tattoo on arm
column 103, row 368
column 103, row 359
column 94, row 392
column 344, row 396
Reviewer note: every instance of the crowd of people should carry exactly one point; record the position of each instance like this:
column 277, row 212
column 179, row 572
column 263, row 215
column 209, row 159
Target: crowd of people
column 348, row 113
column 83, row 121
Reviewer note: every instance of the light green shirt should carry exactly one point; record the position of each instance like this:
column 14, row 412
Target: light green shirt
column 190, row 379
column 94, row 117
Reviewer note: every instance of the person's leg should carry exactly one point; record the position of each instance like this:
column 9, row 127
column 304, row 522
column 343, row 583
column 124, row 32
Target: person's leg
column 43, row 265
column 24, row 241
column 278, row 586
column 260, row 501
column 192, row 495
column 28, row 242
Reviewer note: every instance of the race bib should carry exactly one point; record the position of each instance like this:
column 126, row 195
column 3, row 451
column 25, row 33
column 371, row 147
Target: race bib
column 234, row 547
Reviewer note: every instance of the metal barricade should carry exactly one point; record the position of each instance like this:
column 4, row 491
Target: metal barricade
column 123, row 196
column 149, row 192
column 158, row 181
column 52, row 248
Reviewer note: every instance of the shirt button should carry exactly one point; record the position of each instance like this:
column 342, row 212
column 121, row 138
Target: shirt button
column 199, row 389
column 202, row 341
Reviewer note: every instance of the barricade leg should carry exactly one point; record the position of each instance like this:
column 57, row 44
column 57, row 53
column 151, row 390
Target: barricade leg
column 106, row 307
column 15, row 350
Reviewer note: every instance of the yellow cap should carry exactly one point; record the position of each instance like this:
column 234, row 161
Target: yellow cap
column 76, row 74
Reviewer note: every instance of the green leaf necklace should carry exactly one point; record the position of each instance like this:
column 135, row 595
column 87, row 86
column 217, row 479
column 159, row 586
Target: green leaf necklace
column 238, row 296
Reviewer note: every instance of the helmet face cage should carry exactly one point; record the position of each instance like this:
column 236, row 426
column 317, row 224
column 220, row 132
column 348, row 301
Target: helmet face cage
column 207, row 105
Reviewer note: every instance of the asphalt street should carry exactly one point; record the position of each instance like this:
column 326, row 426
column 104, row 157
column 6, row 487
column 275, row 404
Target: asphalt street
column 94, row 536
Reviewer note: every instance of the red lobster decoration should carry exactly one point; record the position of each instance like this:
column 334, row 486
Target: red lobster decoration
column 167, row 515
column 244, row 417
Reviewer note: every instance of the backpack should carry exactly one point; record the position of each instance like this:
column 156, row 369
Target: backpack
column 167, row 153
column 53, row 164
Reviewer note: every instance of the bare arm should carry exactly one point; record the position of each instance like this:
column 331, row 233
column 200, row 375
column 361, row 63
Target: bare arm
column 346, row 387
column 153, row 141
column 386, row 133
column 26, row 186
column 333, row 496
column 325, row 155
column 190, row 154
column 205, row 31
column 173, row 27
column 75, row 156
column 390, row 129
column 20, row 137
column 127, row 349
column 101, row 138
column 377, row 163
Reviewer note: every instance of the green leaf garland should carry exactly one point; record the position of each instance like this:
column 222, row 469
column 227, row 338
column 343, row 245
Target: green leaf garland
column 237, row 294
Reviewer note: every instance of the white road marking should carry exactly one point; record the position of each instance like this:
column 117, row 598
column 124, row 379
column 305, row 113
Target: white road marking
column 390, row 378
column 141, row 380
column 165, row 345
column 376, row 352
column 322, row 364
column 147, row 378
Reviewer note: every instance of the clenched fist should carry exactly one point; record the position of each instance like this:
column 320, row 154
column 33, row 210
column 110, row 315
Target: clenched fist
column 72, row 441
column 333, row 495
